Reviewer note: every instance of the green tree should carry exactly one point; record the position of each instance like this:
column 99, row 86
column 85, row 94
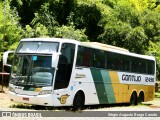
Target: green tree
column 45, row 18
column 154, row 50
column 151, row 24
column 39, row 30
column 71, row 33
column 59, row 9
column 10, row 29
column 26, row 9
column 86, row 15
column 129, row 25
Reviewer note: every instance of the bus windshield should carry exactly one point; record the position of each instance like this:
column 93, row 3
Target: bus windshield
column 32, row 70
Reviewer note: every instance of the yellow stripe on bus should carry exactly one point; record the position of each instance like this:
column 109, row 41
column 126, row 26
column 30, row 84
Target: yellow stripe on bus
column 117, row 88
column 123, row 92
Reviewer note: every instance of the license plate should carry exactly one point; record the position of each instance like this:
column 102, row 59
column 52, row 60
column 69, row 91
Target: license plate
column 26, row 99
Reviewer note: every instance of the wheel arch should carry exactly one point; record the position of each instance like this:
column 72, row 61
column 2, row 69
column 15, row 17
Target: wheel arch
column 141, row 96
column 81, row 92
column 78, row 100
column 141, row 92
column 134, row 92
column 134, row 97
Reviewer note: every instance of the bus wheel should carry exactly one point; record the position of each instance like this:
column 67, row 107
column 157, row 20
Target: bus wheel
column 133, row 99
column 141, row 97
column 78, row 101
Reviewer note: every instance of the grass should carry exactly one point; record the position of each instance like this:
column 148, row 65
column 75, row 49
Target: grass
column 157, row 94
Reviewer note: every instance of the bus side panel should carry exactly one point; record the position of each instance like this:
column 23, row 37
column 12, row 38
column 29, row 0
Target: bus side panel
column 103, row 86
column 117, row 87
column 83, row 80
column 137, row 88
column 150, row 93
column 123, row 91
column 108, row 86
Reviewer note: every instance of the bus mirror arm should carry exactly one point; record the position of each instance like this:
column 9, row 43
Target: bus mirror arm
column 55, row 57
column 5, row 58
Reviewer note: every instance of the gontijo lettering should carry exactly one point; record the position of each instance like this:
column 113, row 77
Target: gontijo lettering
column 135, row 78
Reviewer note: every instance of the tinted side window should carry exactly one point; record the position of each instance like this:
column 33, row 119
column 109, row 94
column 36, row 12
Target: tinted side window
column 83, row 56
column 150, row 67
column 97, row 59
column 89, row 57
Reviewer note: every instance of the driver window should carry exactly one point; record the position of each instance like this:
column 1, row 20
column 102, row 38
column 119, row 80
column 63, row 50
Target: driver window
column 65, row 65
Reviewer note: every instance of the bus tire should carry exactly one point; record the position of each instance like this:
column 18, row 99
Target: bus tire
column 133, row 99
column 141, row 97
column 78, row 101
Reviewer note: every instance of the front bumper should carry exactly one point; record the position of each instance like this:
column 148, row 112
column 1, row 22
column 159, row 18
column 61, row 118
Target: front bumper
column 44, row 100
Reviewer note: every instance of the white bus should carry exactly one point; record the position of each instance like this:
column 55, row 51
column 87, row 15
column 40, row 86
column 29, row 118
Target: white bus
column 63, row 72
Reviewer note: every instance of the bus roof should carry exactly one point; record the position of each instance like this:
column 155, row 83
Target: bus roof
column 51, row 40
column 115, row 49
column 95, row 45
column 102, row 46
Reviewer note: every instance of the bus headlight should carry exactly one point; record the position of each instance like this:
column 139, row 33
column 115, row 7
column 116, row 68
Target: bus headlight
column 12, row 89
column 44, row 92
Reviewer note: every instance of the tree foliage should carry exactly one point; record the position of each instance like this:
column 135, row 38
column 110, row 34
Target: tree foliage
column 130, row 24
column 10, row 30
column 71, row 33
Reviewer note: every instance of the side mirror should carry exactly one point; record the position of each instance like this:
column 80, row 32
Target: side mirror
column 55, row 57
column 5, row 58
